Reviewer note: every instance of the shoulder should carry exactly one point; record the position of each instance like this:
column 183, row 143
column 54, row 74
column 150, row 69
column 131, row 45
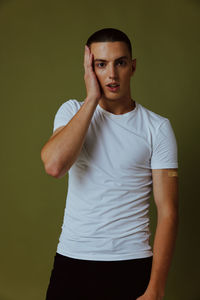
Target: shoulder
column 65, row 112
column 71, row 104
column 153, row 119
column 154, row 125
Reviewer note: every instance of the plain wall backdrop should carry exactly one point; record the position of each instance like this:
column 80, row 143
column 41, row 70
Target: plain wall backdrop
column 41, row 66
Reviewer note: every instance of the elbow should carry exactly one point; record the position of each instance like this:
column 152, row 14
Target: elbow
column 50, row 167
column 57, row 173
column 169, row 216
column 54, row 166
column 53, row 169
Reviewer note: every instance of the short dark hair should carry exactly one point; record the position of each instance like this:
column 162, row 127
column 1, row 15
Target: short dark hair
column 109, row 35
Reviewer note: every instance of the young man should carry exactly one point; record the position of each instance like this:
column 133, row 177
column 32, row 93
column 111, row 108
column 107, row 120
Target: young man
column 115, row 150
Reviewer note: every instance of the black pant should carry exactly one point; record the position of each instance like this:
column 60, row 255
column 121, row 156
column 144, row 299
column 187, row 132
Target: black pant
column 78, row 279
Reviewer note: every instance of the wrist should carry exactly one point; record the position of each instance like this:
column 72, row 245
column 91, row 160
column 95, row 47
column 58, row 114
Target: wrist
column 92, row 100
column 155, row 290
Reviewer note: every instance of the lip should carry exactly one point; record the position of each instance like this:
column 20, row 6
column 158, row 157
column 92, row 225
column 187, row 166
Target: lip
column 112, row 89
column 112, row 83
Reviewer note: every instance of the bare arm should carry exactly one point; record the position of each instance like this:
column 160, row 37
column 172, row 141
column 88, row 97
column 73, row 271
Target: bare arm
column 64, row 146
column 165, row 189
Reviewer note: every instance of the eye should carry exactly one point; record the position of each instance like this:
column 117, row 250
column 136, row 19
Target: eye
column 100, row 65
column 122, row 62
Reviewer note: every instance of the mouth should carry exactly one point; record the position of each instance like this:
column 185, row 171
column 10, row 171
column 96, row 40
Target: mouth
column 113, row 87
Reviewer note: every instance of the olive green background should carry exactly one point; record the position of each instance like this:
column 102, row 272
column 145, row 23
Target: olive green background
column 41, row 62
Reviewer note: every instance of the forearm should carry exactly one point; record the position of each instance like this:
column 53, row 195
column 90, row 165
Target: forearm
column 61, row 151
column 163, row 248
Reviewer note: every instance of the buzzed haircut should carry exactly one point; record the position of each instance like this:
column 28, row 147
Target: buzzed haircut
column 109, row 35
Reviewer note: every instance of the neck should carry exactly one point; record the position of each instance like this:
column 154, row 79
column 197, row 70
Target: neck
column 118, row 106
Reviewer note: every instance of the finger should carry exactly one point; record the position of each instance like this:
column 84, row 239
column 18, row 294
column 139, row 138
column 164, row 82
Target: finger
column 88, row 63
column 91, row 62
column 87, row 57
column 91, row 59
column 87, row 48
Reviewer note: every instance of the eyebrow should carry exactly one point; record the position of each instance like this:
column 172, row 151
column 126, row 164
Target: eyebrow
column 104, row 60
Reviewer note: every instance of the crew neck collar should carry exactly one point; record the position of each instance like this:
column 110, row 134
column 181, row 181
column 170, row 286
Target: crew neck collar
column 114, row 116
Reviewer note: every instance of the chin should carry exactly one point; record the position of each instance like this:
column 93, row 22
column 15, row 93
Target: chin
column 112, row 97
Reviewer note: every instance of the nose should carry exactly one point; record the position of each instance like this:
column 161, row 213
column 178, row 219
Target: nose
column 113, row 72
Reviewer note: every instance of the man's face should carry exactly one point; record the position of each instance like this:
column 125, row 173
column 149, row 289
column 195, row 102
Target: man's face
column 113, row 64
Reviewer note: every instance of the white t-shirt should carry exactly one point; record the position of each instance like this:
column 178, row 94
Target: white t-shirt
column 107, row 207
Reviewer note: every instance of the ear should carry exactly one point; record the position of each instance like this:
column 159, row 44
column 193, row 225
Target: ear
column 133, row 66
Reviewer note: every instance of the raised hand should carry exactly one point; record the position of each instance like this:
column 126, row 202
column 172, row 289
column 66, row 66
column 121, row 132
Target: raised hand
column 92, row 85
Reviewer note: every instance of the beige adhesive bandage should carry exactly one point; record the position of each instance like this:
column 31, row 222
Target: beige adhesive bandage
column 173, row 173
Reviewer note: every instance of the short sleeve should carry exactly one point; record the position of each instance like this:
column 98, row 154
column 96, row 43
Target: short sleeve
column 65, row 113
column 164, row 153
